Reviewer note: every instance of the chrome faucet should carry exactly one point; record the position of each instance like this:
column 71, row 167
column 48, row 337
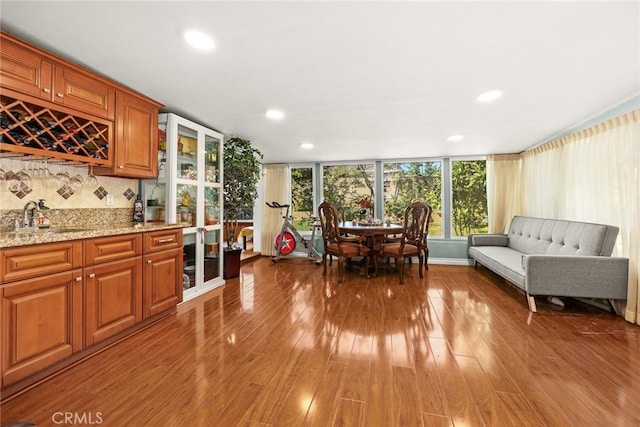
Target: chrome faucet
column 25, row 214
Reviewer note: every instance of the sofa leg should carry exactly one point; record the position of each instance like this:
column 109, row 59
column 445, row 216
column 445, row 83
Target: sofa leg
column 532, row 303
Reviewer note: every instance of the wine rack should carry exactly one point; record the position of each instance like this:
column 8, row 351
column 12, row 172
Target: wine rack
column 31, row 129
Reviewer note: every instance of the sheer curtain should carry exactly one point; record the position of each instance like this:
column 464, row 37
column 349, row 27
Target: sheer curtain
column 277, row 188
column 592, row 175
column 504, row 198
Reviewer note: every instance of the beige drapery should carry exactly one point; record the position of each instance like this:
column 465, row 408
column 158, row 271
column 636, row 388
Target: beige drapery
column 592, row 175
column 504, row 198
column 277, row 188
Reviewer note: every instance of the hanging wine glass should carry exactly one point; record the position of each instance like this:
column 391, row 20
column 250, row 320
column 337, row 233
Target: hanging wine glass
column 62, row 177
column 21, row 181
column 91, row 180
column 76, row 181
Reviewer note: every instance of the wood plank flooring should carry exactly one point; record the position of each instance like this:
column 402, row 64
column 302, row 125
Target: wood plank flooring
column 284, row 346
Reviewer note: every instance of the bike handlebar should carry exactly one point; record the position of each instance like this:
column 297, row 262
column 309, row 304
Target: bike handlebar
column 277, row 205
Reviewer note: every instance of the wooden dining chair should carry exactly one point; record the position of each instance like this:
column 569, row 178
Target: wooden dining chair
column 335, row 244
column 412, row 242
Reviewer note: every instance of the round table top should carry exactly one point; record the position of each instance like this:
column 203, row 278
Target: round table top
column 382, row 229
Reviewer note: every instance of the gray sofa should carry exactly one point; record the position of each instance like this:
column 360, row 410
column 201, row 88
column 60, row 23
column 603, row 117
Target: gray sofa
column 548, row 257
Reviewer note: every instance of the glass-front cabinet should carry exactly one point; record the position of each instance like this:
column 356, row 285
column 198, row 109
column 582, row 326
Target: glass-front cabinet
column 189, row 191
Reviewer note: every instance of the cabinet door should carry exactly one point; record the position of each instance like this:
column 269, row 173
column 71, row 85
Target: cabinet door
column 78, row 90
column 24, row 70
column 136, row 142
column 162, row 281
column 113, row 298
column 41, row 323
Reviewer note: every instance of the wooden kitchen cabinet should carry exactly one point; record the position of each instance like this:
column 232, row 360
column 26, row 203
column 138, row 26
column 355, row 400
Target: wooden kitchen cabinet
column 162, row 271
column 25, row 262
column 135, row 153
column 113, row 285
column 60, row 302
column 24, row 69
column 41, row 315
column 34, row 72
column 113, row 298
column 118, row 127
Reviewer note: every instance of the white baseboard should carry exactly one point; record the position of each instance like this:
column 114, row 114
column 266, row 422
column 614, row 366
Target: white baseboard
column 450, row 261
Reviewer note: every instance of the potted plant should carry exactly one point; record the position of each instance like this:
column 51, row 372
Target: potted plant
column 242, row 166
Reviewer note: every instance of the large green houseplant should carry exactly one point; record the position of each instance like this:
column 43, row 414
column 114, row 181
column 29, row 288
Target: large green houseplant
column 242, row 167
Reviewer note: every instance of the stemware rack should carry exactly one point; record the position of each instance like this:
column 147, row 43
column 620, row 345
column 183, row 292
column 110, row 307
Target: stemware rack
column 31, row 129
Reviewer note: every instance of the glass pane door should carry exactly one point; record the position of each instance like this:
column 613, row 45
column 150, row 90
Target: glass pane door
column 194, row 198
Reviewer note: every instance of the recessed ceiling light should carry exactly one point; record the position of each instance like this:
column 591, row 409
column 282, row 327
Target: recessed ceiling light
column 274, row 114
column 306, row 145
column 490, row 95
column 199, row 40
column 454, row 138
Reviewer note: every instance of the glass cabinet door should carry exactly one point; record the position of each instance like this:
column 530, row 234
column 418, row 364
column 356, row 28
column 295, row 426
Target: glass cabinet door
column 191, row 177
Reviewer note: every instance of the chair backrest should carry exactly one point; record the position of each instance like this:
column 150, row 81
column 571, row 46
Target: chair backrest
column 416, row 221
column 329, row 221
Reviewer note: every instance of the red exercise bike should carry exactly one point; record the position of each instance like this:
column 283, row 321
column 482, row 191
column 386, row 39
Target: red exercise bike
column 289, row 240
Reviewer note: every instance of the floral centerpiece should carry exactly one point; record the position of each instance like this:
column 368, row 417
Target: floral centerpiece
column 365, row 207
column 366, row 213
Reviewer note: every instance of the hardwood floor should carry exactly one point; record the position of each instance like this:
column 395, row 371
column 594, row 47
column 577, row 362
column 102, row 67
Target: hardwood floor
column 284, row 346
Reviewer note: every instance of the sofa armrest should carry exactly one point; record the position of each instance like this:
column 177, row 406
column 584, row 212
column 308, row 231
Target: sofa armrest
column 576, row 276
column 488, row 240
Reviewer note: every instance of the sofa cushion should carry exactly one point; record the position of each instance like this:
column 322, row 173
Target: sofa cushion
column 557, row 237
column 504, row 261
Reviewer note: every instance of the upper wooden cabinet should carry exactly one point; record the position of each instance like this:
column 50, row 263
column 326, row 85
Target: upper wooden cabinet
column 35, row 76
column 83, row 92
column 33, row 73
column 136, row 140
column 25, row 70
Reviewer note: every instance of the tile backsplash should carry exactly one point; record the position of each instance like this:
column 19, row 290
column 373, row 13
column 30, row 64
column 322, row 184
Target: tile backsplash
column 82, row 200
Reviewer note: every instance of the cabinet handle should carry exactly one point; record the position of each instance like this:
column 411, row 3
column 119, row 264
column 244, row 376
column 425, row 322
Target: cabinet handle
column 121, row 167
column 60, row 95
column 46, row 90
column 165, row 240
column 79, row 279
column 149, row 262
column 92, row 275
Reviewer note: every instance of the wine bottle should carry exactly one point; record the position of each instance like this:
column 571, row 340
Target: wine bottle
column 138, row 210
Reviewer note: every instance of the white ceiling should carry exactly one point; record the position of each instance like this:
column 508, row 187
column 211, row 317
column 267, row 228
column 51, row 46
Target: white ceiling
column 361, row 80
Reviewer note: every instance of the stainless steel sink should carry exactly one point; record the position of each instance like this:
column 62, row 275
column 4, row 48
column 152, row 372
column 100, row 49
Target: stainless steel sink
column 64, row 230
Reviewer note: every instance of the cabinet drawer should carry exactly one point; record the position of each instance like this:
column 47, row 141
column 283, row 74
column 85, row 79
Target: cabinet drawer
column 33, row 261
column 155, row 241
column 112, row 248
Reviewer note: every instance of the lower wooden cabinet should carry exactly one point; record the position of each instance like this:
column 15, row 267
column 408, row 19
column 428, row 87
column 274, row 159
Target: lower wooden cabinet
column 42, row 323
column 162, row 281
column 57, row 299
column 113, row 298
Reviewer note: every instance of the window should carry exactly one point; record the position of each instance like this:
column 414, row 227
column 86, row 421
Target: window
column 350, row 187
column 454, row 188
column 409, row 182
column 468, row 197
column 302, row 197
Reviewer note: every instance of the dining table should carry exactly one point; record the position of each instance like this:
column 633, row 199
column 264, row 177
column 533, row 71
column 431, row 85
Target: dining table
column 374, row 234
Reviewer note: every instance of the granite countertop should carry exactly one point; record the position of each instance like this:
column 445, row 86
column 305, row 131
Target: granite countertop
column 61, row 234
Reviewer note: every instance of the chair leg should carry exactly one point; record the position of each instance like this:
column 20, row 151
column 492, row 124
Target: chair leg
column 366, row 266
column 400, row 267
column 341, row 260
column 420, row 263
column 324, row 264
column 426, row 258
